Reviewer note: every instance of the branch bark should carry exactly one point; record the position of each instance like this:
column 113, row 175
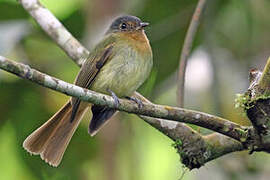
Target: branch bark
column 208, row 121
column 264, row 82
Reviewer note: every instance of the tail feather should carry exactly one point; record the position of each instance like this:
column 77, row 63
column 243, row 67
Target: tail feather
column 36, row 141
column 101, row 115
column 52, row 138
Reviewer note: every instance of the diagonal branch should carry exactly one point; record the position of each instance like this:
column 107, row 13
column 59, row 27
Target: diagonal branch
column 195, row 150
column 56, row 30
column 208, row 121
column 192, row 29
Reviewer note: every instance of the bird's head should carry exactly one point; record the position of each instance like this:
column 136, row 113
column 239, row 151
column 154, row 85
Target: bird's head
column 127, row 24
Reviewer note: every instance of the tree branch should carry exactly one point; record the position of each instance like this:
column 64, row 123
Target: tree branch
column 264, row 82
column 192, row 29
column 194, row 149
column 208, row 121
column 256, row 104
column 56, row 30
column 219, row 145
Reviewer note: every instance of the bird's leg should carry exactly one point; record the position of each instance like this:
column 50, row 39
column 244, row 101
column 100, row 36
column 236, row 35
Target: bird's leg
column 115, row 98
column 136, row 100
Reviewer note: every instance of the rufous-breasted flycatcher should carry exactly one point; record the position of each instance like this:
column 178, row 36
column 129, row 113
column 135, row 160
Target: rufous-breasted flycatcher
column 118, row 66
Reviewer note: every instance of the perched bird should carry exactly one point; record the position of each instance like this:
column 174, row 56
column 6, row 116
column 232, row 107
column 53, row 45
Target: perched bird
column 118, row 66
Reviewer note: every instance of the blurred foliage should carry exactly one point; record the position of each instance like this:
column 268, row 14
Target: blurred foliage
column 234, row 34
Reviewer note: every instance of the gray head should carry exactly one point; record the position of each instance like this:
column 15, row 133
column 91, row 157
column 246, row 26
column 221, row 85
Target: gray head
column 127, row 24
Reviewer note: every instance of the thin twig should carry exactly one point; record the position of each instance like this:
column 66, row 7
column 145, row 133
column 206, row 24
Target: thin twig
column 192, row 29
column 208, row 121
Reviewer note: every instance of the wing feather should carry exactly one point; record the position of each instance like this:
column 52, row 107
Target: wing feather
column 90, row 70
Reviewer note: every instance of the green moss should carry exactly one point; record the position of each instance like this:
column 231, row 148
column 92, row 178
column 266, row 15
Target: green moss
column 177, row 144
column 243, row 134
column 245, row 102
column 263, row 96
column 241, row 101
column 226, row 128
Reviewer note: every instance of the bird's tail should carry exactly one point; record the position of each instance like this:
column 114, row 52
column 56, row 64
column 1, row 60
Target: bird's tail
column 51, row 139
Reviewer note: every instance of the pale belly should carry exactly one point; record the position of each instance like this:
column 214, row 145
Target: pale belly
column 123, row 74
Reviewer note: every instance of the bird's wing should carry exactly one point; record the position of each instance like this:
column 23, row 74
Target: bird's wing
column 90, row 70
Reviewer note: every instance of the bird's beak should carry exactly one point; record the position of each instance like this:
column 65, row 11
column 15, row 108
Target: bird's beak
column 144, row 24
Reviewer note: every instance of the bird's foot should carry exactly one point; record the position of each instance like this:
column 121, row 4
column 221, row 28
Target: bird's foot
column 136, row 100
column 115, row 98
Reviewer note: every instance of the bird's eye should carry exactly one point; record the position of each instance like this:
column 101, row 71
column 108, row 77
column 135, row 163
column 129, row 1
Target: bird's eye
column 123, row 26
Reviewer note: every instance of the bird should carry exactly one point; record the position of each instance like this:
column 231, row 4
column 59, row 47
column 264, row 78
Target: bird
column 118, row 65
